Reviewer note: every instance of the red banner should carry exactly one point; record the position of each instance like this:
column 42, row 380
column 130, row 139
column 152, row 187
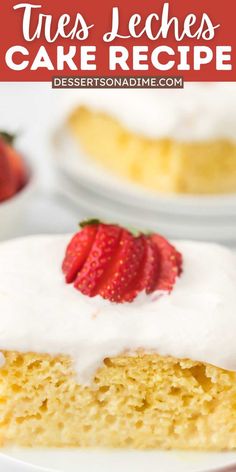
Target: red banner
column 43, row 39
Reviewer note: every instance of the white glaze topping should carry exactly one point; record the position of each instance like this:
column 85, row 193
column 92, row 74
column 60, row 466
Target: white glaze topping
column 199, row 112
column 40, row 313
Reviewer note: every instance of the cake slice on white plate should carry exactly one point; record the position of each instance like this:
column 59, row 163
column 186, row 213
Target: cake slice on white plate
column 115, row 339
column 170, row 141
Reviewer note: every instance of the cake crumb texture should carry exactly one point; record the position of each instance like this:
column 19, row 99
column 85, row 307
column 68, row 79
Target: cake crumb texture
column 163, row 165
column 143, row 401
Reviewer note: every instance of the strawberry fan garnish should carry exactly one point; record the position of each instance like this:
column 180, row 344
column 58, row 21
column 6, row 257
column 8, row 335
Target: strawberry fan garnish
column 110, row 261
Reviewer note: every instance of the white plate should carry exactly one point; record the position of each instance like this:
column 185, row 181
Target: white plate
column 75, row 163
column 13, row 211
column 74, row 460
column 104, row 195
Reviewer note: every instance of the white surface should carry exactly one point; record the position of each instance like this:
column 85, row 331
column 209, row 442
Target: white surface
column 41, row 313
column 50, row 214
column 14, row 210
column 104, row 461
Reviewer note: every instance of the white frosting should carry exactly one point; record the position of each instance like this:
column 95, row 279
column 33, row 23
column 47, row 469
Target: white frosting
column 40, row 313
column 200, row 111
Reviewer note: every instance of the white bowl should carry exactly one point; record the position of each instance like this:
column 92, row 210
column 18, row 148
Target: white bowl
column 99, row 193
column 13, row 210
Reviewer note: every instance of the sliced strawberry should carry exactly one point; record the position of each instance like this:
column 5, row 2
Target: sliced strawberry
column 179, row 261
column 110, row 261
column 98, row 260
column 148, row 272
column 170, row 263
column 77, row 252
column 124, row 268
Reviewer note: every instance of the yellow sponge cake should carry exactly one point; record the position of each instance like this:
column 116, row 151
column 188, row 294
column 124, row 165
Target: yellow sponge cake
column 146, row 401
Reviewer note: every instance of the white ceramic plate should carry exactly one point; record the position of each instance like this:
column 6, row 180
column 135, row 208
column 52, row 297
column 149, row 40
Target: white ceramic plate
column 104, row 195
column 73, row 161
column 74, row 460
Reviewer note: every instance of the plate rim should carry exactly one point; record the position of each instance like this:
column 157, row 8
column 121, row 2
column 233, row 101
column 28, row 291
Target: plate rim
column 182, row 203
column 30, row 467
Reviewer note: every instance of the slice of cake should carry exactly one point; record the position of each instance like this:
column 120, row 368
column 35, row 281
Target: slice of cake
column 119, row 340
column 171, row 141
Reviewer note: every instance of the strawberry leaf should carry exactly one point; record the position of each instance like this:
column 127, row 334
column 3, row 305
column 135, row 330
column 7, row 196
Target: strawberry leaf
column 8, row 137
column 92, row 221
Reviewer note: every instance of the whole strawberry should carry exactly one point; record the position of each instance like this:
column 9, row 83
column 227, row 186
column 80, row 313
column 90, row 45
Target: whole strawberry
column 13, row 172
column 7, row 179
column 108, row 260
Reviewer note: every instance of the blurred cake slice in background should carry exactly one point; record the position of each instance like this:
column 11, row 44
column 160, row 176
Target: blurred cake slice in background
column 170, row 141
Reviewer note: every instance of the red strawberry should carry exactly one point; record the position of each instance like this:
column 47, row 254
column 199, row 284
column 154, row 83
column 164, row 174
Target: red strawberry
column 78, row 251
column 148, row 273
column 7, row 179
column 170, row 263
column 13, row 172
column 18, row 167
column 110, row 261
column 124, row 268
column 98, row 261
